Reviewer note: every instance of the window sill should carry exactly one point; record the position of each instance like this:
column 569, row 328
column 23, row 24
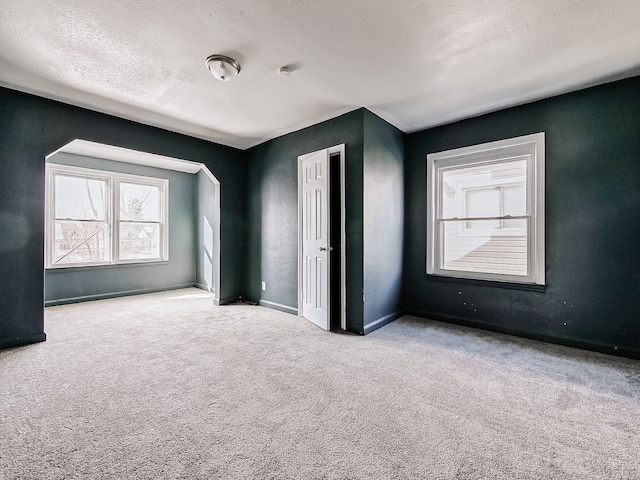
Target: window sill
column 105, row 266
column 530, row 287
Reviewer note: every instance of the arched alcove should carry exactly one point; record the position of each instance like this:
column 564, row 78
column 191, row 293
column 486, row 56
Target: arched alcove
column 193, row 225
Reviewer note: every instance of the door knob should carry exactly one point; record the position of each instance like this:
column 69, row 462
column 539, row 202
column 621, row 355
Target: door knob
column 322, row 249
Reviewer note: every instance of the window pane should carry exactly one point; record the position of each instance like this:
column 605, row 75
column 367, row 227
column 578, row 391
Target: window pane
column 515, row 200
column 80, row 198
column 78, row 242
column 484, row 252
column 483, row 203
column 139, row 241
column 480, row 190
column 139, row 202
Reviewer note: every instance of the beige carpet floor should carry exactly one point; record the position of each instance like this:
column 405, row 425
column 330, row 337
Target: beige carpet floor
column 168, row 386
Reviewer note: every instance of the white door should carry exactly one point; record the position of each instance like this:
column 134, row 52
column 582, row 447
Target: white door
column 314, row 184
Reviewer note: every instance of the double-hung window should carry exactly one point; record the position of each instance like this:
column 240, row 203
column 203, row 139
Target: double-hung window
column 486, row 211
column 140, row 219
column 100, row 218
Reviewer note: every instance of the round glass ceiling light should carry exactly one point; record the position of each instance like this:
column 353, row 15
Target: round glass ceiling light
column 222, row 67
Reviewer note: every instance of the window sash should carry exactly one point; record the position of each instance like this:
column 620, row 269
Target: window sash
column 159, row 208
column 99, row 235
column 162, row 212
column 95, row 178
column 451, row 270
column 122, row 258
column 470, row 184
column 56, row 261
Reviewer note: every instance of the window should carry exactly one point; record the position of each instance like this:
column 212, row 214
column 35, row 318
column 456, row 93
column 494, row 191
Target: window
column 486, row 211
column 100, row 218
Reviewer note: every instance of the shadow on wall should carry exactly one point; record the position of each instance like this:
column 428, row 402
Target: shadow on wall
column 15, row 232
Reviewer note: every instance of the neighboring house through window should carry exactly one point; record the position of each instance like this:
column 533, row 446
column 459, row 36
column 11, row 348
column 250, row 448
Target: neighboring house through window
column 96, row 217
column 486, row 211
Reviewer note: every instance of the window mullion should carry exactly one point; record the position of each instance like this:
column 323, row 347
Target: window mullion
column 115, row 215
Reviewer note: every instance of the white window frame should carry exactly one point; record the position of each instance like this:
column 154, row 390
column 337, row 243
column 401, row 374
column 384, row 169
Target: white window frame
column 531, row 147
column 112, row 212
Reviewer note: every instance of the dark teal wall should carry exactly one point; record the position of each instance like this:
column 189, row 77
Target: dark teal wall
column 272, row 212
column 231, row 173
column 592, row 214
column 31, row 128
column 72, row 284
column 374, row 216
column 592, row 223
column 383, row 221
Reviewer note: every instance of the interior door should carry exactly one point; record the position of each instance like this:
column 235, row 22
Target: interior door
column 315, row 237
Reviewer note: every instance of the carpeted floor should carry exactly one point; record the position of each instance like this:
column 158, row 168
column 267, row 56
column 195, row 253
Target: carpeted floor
column 168, row 386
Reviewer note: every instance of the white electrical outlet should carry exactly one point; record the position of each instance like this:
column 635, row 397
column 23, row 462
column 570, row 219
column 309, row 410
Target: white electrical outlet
column 264, row 285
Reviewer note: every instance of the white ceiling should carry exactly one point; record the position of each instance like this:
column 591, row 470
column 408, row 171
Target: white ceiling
column 415, row 63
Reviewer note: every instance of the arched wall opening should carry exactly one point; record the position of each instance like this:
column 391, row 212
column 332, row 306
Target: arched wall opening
column 32, row 128
column 193, row 256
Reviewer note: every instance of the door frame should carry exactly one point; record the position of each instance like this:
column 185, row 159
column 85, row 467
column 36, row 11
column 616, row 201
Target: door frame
column 336, row 149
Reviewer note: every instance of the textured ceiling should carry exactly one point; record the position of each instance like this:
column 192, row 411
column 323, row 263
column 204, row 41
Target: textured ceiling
column 414, row 63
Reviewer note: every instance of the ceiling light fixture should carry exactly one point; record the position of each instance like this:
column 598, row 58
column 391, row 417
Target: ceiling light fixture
column 222, row 67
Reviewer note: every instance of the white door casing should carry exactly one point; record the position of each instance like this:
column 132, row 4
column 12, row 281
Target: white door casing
column 314, row 170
